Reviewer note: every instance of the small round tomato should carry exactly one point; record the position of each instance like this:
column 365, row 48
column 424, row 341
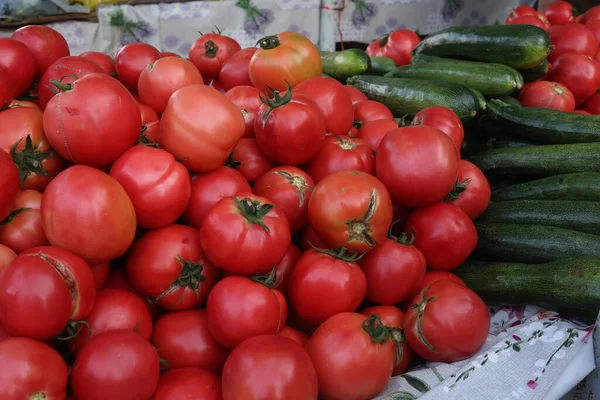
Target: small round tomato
column 350, row 209
column 356, row 96
column 252, row 306
column 131, row 60
column 580, row 74
column 209, row 52
column 22, row 229
column 560, row 13
column 101, row 272
column 547, row 95
column 150, row 134
column 247, row 99
column 342, row 153
column 397, row 45
column 19, row 63
column 371, row 110
column 529, row 20
column 592, row 105
column 101, row 371
column 45, row 44
column 472, row 191
column 31, row 370
column 373, row 131
column 433, row 276
column 234, row 71
column 249, row 159
column 104, row 61
column 519, row 12
column 168, row 54
column 299, row 337
column 188, row 383
column 10, row 184
column 447, row 322
column 6, row 256
column 590, row 15
column 445, row 120
column 572, row 38
column 289, row 188
column 444, row 233
column 310, row 238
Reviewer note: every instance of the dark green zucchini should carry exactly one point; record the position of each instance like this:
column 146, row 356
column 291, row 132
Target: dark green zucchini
column 502, row 141
column 535, row 73
column 518, row 46
column 512, row 101
column 381, row 66
column 341, row 65
column 583, row 186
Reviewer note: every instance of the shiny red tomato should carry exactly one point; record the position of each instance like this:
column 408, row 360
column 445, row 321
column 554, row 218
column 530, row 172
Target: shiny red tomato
column 9, row 182
column 188, row 383
column 445, row 120
column 45, row 44
column 3, row 333
column 31, row 370
column 247, row 99
column 547, row 95
column 560, row 13
column 289, row 188
column 594, row 27
column 101, row 272
column 572, row 38
column 234, row 71
column 203, row 147
column 592, row 105
column 23, row 103
column 590, row 15
column 104, row 61
column 350, row 209
column 534, row 20
column 42, row 289
column 131, row 60
column 269, row 367
column 22, row 229
column 580, row 74
column 356, row 96
column 168, row 54
column 101, row 371
column 444, row 233
column 472, row 191
column 209, row 52
column 103, row 229
column 117, row 279
column 371, row 110
column 18, row 62
column 299, row 337
column 6, row 91
column 310, row 238
column 582, row 112
column 325, row 283
column 397, row 45
column 432, row 276
column 150, row 125
column 353, row 356
column 6, row 256
column 285, row 267
column 373, row 131
column 447, row 322
column 249, row 159
column 520, row 11
column 417, row 164
column 239, row 308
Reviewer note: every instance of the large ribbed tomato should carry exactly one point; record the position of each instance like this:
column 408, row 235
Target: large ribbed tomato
column 45, row 44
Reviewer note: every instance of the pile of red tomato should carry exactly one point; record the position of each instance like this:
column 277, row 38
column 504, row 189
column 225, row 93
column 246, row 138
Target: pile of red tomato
column 229, row 226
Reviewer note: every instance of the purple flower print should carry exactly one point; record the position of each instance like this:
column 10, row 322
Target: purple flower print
column 363, row 13
column 296, row 28
column 171, row 41
column 390, row 25
column 256, row 19
column 451, row 8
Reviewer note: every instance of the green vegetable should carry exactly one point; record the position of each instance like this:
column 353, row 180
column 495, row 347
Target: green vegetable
column 381, row 66
column 343, row 64
column 584, row 186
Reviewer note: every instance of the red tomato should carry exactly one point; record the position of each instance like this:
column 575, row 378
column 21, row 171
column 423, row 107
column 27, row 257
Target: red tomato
column 66, row 70
column 590, row 15
column 103, row 229
column 582, row 112
column 131, row 60
column 257, row 229
column 23, row 103
column 310, row 238
column 397, row 45
column 529, row 20
column 203, row 147
column 580, row 74
column 104, row 61
column 572, row 38
column 45, row 44
column 446, row 322
column 350, row 209
column 342, row 153
column 333, row 101
column 544, row 19
column 249, row 159
column 184, row 341
column 253, row 307
column 168, row 265
column 117, row 279
column 560, row 13
column 433, row 276
column 31, row 370
column 100, row 272
column 520, row 11
column 417, row 164
column 6, row 90
column 299, row 337
column 9, row 182
column 353, row 132
column 234, row 71
column 168, row 54
column 18, row 62
column 150, row 125
column 472, row 191
column 42, row 289
column 3, row 334
column 592, row 105
column 158, row 186
column 101, row 371
column 356, row 96
column 22, row 229
column 371, row 110
column 444, row 233
column 247, row 99
column 373, row 131
column 325, row 283
column 353, row 356
column 289, row 188
column 285, row 267
column 210, row 51
column 269, row 367
column 6, row 256
column 445, row 120
column 188, row 383
column 290, row 129
column 547, row 95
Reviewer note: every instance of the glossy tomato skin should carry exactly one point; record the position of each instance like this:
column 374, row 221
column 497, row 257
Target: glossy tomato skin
column 104, row 61
column 474, row 188
column 234, row 71
column 572, row 38
column 30, row 369
column 235, row 222
column 350, row 209
column 529, row 20
column 159, row 187
column 18, row 63
column 249, row 159
column 269, row 367
column 6, row 91
column 117, row 279
column 433, row 276
column 131, row 60
column 371, row 110
column 417, row 164
column 398, row 45
column 590, row 15
column 373, row 132
column 445, row 120
column 310, row 238
column 6, row 256
column 547, row 95
column 285, row 267
column 188, row 383
column 45, row 44
column 22, row 229
column 520, row 11
column 592, row 105
column 10, row 183
column 560, row 13
column 204, row 147
column 150, row 125
column 356, row 96
column 289, row 188
column 444, row 234
column 580, row 74
column 210, row 51
column 447, row 322
column 101, row 272
column 247, row 99
column 95, row 375
column 299, row 337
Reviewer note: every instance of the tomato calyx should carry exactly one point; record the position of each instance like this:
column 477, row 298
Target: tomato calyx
column 360, row 229
column 419, row 309
column 384, row 39
column 345, row 144
column 377, row 330
column 269, row 280
column 72, row 330
column 38, row 396
column 458, row 189
column 253, row 211
column 143, row 139
column 210, row 49
column 29, row 160
column 13, row 215
column 191, row 273
column 59, row 86
column 276, row 101
column 405, row 238
column 340, row 254
column 231, row 163
column 269, row 42
column 299, row 183
column 397, row 337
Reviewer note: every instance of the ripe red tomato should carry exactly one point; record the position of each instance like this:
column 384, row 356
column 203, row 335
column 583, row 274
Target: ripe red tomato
column 371, row 110
column 3, row 334
column 582, row 112
column 310, row 238
column 22, row 229
column 592, row 105
column 104, row 61
column 590, row 15
column 342, row 153
column 247, row 99
column 101, row 272
column 131, row 60
column 417, row 164
column 167, row 265
column 444, row 233
column 285, row 267
column 594, row 27
column 188, row 383
column 203, row 147
column 31, row 370
column 117, row 279
column 350, row 209
column 397, row 45
column 289, row 188
column 45, row 44
column 472, row 191
column 150, row 125
column 290, row 129
column 547, row 95
column 356, row 96
column 534, row 20
column 520, row 11
column 102, row 372
column 234, row 71
column 269, row 367
column 103, row 229
column 18, row 62
column 23, row 103
column 373, row 131
column 42, row 289
column 210, row 51
column 6, row 256
column 325, row 283
column 572, row 38
column 6, row 91
column 184, row 341
column 445, row 120
column 252, row 306
column 299, row 337
column 9, row 182
column 169, row 54
column 560, row 13
column 353, row 356
column 580, row 74
column 433, row 276
column 249, row 159
column 447, row 322
column 256, row 228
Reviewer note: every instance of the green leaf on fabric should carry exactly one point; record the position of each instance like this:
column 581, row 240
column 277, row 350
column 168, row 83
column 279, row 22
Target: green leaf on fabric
column 416, row 383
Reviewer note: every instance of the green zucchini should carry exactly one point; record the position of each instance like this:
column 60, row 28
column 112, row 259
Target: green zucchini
column 341, row 65
column 583, row 186
column 543, row 125
column 518, row 46
column 406, row 97
column 581, row 216
column 502, row 141
column 512, row 101
column 535, row 73
column 570, row 286
column 480, row 98
column 539, row 161
column 381, row 66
